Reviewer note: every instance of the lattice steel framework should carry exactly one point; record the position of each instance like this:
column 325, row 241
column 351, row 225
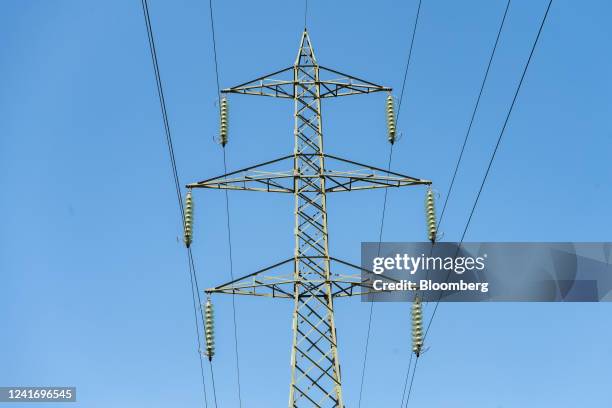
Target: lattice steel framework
column 315, row 367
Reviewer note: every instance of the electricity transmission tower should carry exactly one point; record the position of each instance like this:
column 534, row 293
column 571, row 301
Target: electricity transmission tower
column 307, row 276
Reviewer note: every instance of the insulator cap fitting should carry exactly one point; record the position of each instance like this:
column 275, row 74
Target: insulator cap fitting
column 188, row 221
column 390, row 108
column 209, row 329
column 223, row 108
column 430, row 213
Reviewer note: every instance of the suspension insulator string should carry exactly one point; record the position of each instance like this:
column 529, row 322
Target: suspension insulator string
column 390, row 108
column 430, row 210
column 223, row 138
column 209, row 329
column 417, row 326
column 188, row 222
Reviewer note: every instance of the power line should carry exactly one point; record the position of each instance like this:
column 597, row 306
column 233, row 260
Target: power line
column 196, row 300
column 382, row 220
column 212, row 376
column 499, row 139
column 227, row 210
column 416, row 22
column 406, row 380
column 476, row 105
column 192, row 271
column 467, row 134
column 367, row 344
column 212, row 30
column 412, row 381
column 231, row 261
column 162, row 102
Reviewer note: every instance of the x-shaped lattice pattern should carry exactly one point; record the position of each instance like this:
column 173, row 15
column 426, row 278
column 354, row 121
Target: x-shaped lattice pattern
column 314, row 364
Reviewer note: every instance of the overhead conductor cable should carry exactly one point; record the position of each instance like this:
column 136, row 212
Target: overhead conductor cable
column 491, row 160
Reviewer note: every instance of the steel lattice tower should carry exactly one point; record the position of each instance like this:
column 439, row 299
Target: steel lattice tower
column 315, row 366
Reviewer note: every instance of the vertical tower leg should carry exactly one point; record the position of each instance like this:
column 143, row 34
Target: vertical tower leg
column 315, row 369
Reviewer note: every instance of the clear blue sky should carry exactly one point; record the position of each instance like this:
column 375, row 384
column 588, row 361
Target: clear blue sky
column 95, row 292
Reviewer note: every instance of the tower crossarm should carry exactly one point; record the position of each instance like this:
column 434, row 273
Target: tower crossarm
column 278, row 84
column 344, row 85
column 263, row 283
column 273, row 177
column 281, row 84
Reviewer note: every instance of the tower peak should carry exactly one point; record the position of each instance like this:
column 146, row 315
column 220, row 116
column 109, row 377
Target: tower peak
column 305, row 54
